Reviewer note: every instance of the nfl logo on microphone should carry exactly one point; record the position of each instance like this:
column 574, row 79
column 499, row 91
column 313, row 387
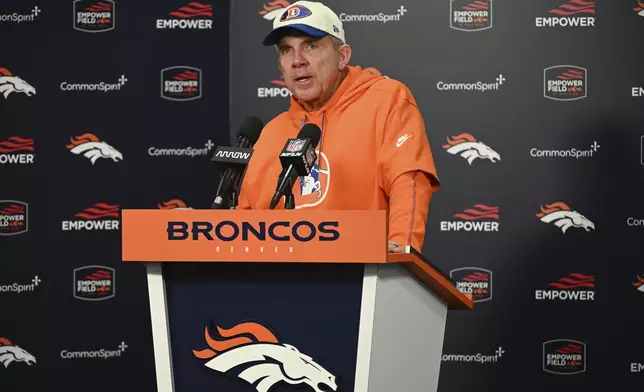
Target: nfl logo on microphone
column 295, row 145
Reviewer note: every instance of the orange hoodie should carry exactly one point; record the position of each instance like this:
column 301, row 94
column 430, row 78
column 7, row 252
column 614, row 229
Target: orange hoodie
column 372, row 148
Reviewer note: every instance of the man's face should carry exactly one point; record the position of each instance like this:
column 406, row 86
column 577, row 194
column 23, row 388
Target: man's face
column 309, row 66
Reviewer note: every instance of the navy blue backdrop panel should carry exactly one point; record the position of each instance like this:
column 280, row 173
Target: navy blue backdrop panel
column 104, row 105
column 313, row 307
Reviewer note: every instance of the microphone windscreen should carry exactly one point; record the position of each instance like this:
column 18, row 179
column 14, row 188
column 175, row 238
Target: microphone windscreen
column 250, row 129
column 310, row 131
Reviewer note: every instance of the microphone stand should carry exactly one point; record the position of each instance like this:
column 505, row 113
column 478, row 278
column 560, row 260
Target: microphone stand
column 289, row 198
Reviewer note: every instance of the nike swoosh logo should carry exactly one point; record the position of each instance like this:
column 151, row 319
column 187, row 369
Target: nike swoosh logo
column 402, row 139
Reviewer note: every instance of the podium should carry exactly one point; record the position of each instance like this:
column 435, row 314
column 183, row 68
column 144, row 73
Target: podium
column 288, row 300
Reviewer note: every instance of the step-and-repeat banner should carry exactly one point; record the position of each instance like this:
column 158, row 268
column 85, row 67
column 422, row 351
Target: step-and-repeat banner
column 104, row 105
column 534, row 114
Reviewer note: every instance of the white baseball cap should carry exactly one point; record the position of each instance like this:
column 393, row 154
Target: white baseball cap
column 313, row 18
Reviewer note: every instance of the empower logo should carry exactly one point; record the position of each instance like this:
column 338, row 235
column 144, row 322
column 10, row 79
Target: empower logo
column 480, row 217
column 94, row 283
column 470, row 15
column 89, row 146
column 17, row 150
column 181, row 83
column 475, row 281
column 574, row 287
column 10, row 353
column 91, row 16
column 10, row 83
column 13, row 217
column 470, row 149
column 278, row 90
column 574, row 13
column 174, row 204
column 562, row 216
column 565, row 83
column 264, row 360
column 194, row 16
column 564, row 357
column 99, row 217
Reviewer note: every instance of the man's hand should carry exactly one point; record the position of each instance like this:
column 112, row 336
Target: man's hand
column 395, row 248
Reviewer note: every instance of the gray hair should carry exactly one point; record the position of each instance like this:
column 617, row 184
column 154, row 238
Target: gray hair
column 337, row 43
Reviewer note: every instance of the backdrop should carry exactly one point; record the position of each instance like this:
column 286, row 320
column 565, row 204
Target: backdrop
column 533, row 111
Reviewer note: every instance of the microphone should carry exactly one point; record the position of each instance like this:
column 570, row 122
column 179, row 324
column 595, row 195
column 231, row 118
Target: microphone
column 297, row 157
column 235, row 160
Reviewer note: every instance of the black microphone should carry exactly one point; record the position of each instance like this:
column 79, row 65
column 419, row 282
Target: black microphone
column 297, row 157
column 235, row 159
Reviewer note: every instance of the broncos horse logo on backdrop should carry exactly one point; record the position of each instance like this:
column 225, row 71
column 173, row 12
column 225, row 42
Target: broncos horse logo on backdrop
column 315, row 186
column 561, row 215
column 264, row 360
column 10, row 353
column 274, row 9
column 13, row 84
column 469, row 148
column 92, row 148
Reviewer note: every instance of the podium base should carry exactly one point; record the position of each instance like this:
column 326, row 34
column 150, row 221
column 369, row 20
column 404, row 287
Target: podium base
column 239, row 327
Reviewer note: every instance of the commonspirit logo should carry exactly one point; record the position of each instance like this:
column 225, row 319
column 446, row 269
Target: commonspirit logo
column 20, row 17
column 104, row 87
column 380, row 17
column 191, row 152
column 478, row 86
column 573, row 153
column 478, row 358
column 20, row 287
column 95, row 354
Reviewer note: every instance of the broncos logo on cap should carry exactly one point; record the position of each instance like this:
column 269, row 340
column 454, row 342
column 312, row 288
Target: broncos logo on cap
column 263, row 359
column 295, row 12
column 315, row 186
column 273, row 9
column 10, row 353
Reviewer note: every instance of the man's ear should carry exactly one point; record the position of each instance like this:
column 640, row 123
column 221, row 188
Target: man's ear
column 345, row 56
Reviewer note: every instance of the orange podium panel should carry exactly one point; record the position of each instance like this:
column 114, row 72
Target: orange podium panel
column 254, row 236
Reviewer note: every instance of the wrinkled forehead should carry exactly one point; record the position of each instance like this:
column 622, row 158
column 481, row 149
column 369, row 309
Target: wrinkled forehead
column 293, row 37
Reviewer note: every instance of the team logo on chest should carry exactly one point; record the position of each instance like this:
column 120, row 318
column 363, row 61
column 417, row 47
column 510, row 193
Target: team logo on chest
column 315, row 186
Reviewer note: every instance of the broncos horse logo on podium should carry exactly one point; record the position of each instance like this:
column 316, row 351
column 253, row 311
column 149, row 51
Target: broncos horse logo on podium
column 265, row 361
column 11, row 353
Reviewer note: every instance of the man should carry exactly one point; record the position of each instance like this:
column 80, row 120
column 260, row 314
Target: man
column 373, row 152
